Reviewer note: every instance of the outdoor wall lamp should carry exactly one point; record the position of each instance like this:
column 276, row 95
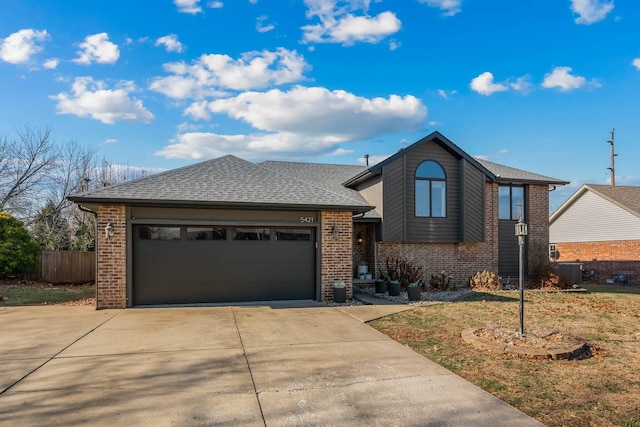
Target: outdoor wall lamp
column 360, row 238
column 334, row 231
column 108, row 231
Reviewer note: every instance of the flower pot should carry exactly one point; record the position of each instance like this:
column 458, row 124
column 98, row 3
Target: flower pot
column 381, row 286
column 368, row 276
column 340, row 295
column 394, row 289
column 361, row 276
column 362, row 269
column 414, row 293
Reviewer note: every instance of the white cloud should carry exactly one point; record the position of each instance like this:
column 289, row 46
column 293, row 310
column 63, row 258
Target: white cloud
column 339, row 25
column 522, row 84
column 484, row 85
column 210, row 74
column 374, row 160
column 90, row 98
column 446, row 94
column 302, row 121
column 394, row 44
column 503, row 151
column 111, row 141
column 636, row 63
column 215, row 4
column 188, row 6
column 171, row 43
column 97, row 48
column 262, row 28
column 51, row 63
column 340, row 152
column 591, row 11
column 19, row 47
column 561, row 78
column 450, row 7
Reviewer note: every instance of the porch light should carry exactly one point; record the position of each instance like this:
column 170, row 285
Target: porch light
column 108, row 231
column 334, row 231
column 360, row 238
column 521, row 231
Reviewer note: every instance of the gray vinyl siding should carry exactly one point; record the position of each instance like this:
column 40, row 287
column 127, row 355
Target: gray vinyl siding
column 472, row 203
column 508, row 250
column 424, row 229
column 393, row 198
column 592, row 218
column 372, row 193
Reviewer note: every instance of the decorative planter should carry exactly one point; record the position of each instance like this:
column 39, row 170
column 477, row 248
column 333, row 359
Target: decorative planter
column 394, row 289
column 340, row 295
column 381, row 286
column 362, row 269
column 368, row 276
column 361, row 276
column 414, row 293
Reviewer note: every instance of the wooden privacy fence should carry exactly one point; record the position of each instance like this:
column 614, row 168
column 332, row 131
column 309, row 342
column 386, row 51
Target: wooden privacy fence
column 68, row 266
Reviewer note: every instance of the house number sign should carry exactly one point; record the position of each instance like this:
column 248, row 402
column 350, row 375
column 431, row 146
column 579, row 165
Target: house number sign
column 307, row 220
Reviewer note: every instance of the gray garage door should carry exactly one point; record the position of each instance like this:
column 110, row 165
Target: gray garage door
column 188, row 265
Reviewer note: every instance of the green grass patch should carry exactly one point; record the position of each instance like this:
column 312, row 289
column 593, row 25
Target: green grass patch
column 45, row 294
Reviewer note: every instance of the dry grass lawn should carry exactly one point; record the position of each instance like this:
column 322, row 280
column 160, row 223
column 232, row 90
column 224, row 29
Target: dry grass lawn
column 602, row 390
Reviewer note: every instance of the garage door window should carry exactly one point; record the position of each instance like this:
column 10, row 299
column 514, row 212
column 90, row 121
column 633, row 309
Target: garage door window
column 147, row 232
column 293, row 235
column 251, row 233
column 206, row 233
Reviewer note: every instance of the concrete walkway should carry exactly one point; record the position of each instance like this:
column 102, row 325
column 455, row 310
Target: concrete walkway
column 240, row 366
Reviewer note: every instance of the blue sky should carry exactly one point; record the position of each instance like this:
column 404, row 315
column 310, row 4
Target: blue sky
column 536, row 85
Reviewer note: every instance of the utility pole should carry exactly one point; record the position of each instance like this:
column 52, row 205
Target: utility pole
column 612, row 168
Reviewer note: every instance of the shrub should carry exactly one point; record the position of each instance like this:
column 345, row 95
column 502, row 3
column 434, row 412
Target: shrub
column 542, row 273
column 440, row 282
column 398, row 267
column 485, row 280
column 18, row 251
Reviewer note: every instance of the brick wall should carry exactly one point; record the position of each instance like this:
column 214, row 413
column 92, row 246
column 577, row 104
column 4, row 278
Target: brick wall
column 111, row 275
column 336, row 255
column 538, row 223
column 606, row 258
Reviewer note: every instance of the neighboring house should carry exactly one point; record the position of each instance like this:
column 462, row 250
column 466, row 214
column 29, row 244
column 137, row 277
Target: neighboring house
column 599, row 226
column 228, row 230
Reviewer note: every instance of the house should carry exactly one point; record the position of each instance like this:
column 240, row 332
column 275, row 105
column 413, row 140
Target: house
column 228, row 230
column 599, row 227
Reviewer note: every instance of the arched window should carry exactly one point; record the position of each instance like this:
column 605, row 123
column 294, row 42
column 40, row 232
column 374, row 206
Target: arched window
column 431, row 190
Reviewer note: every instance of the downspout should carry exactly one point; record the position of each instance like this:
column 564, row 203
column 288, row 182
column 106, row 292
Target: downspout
column 95, row 215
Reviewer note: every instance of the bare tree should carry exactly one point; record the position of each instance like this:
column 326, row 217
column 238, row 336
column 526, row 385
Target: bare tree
column 25, row 164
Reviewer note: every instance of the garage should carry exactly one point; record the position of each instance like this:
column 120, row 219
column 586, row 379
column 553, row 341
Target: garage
column 195, row 264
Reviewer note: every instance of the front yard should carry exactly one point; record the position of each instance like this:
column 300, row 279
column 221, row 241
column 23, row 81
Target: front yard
column 602, row 390
column 21, row 292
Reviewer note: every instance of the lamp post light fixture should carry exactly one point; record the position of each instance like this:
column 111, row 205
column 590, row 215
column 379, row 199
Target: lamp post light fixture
column 521, row 232
column 334, row 232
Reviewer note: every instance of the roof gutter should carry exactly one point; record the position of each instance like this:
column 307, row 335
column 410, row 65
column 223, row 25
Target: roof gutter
column 95, row 215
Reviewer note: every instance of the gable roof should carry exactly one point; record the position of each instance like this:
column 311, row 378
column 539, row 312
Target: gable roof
column 626, row 197
column 493, row 171
column 225, row 181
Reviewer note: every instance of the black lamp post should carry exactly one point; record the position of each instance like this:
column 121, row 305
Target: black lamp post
column 521, row 232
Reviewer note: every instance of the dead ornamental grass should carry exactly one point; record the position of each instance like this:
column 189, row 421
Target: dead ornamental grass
column 602, row 390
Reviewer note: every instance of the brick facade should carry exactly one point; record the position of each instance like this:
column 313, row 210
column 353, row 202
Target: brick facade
column 111, row 278
column 606, row 258
column 336, row 253
column 538, row 223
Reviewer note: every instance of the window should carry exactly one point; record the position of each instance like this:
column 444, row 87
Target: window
column 510, row 202
column 293, row 234
column 251, row 233
column 147, row 232
column 431, row 190
column 206, row 233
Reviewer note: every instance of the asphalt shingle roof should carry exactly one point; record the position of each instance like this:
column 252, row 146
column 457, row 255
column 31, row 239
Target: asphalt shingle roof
column 227, row 180
column 507, row 173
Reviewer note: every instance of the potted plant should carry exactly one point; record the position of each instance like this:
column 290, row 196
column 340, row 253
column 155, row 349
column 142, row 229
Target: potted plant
column 394, row 288
column 414, row 291
column 381, row 286
column 368, row 276
column 339, row 292
column 363, row 268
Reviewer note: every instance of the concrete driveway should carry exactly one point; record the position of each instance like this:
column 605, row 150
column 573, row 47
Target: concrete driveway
column 218, row 366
